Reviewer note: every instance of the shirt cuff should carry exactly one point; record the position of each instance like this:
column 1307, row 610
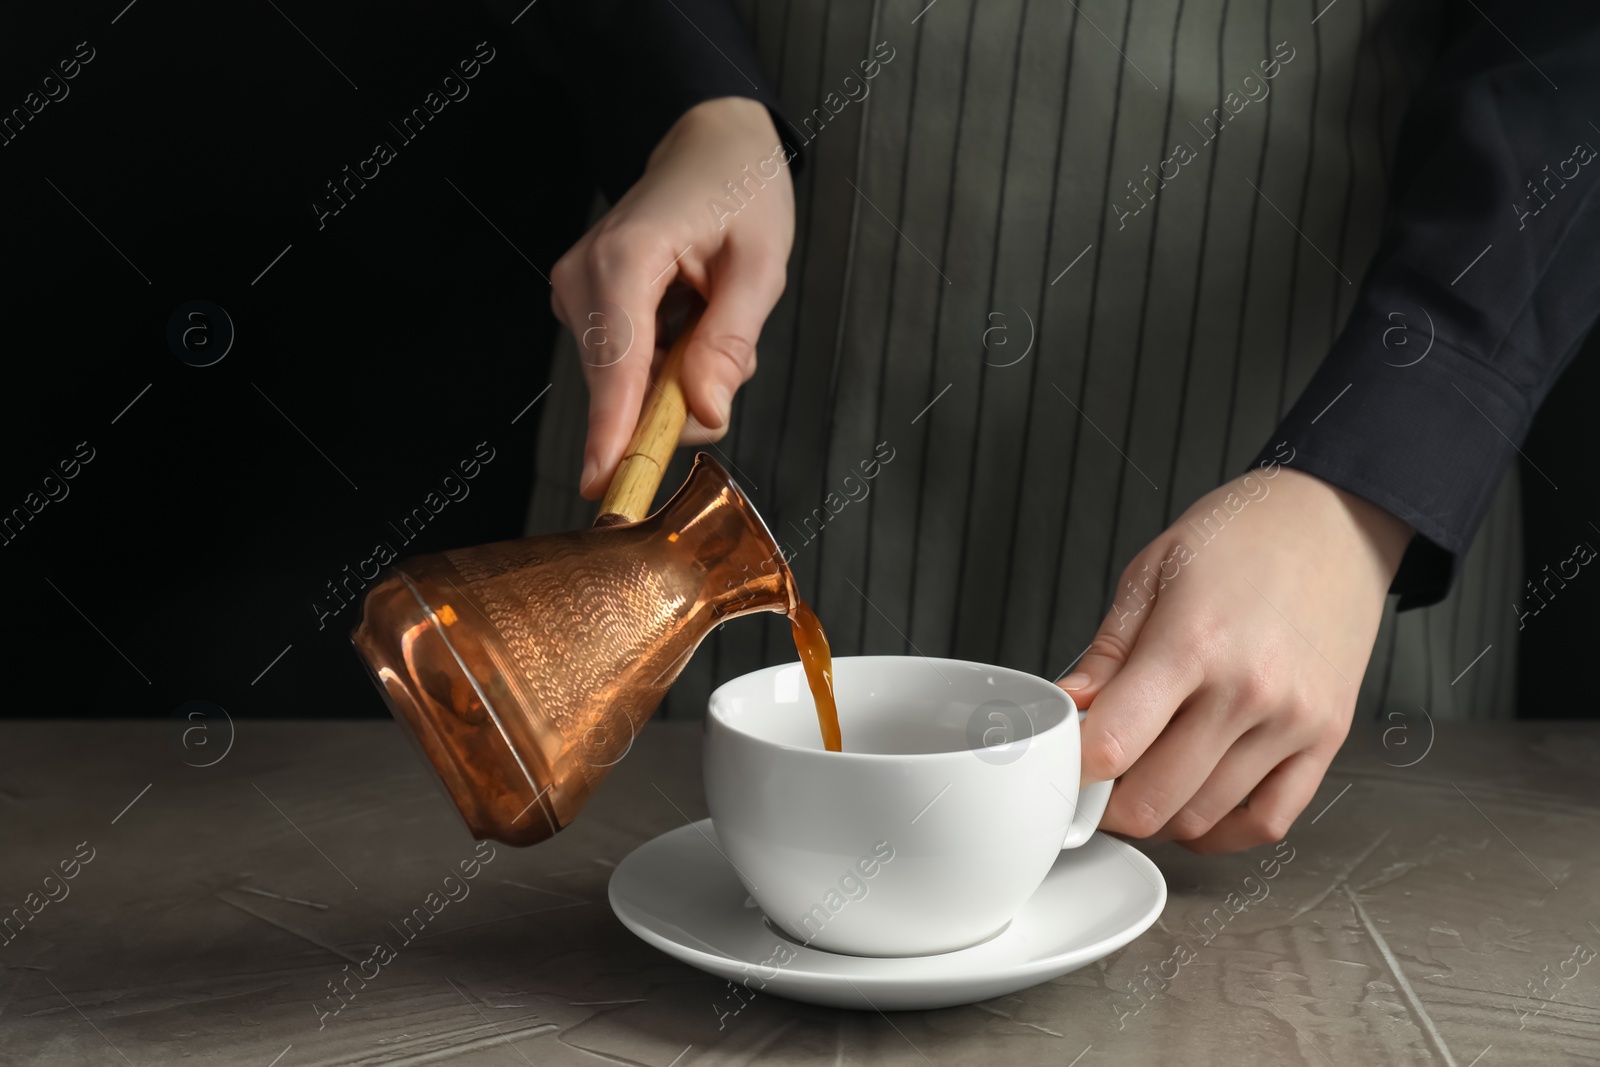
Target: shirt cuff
column 1403, row 420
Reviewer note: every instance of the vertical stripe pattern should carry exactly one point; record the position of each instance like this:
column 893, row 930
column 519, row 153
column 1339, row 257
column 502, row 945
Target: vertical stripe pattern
column 1006, row 279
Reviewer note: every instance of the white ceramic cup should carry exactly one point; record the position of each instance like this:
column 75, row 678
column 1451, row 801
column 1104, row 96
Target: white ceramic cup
column 957, row 788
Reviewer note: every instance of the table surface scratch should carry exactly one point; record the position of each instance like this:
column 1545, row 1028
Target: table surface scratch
column 1440, row 913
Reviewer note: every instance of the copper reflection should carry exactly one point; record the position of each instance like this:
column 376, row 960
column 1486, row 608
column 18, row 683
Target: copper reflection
column 523, row 669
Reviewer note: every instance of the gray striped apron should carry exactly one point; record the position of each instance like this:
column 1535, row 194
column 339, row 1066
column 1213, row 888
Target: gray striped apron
column 1007, row 275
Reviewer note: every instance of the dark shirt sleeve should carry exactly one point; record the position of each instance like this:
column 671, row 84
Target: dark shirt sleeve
column 1491, row 247
column 632, row 68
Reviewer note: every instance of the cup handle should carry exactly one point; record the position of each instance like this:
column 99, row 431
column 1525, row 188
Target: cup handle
column 1091, row 807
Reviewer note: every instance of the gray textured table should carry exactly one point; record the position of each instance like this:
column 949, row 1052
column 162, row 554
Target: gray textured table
column 1443, row 912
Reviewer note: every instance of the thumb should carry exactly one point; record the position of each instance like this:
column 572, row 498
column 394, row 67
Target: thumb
column 722, row 354
column 1113, row 643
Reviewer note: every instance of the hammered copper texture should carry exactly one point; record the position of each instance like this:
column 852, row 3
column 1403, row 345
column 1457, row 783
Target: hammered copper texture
column 525, row 669
column 573, row 615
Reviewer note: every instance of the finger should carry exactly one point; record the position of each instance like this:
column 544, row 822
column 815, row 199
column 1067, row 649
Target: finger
column 1137, row 703
column 616, row 394
column 1277, row 732
column 1175, row 767
column 1119, row 631
column 744, row 285
column 1274, row 805
column 616, row 331
column 557, row 308
column 696, row 434
column 1241, row 769
column 569, row 280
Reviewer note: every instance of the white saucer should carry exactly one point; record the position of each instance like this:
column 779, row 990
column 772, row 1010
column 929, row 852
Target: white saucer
column 678, row 893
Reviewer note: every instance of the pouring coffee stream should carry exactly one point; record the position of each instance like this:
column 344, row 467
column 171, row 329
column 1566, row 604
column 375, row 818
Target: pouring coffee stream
column 524, row 669
column 812, row 644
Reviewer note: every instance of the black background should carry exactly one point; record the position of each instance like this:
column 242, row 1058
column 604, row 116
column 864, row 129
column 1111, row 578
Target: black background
column 1558, row 643
column 396, row 338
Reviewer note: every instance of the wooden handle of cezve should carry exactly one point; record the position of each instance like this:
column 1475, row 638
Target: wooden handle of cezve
column 633, row 488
